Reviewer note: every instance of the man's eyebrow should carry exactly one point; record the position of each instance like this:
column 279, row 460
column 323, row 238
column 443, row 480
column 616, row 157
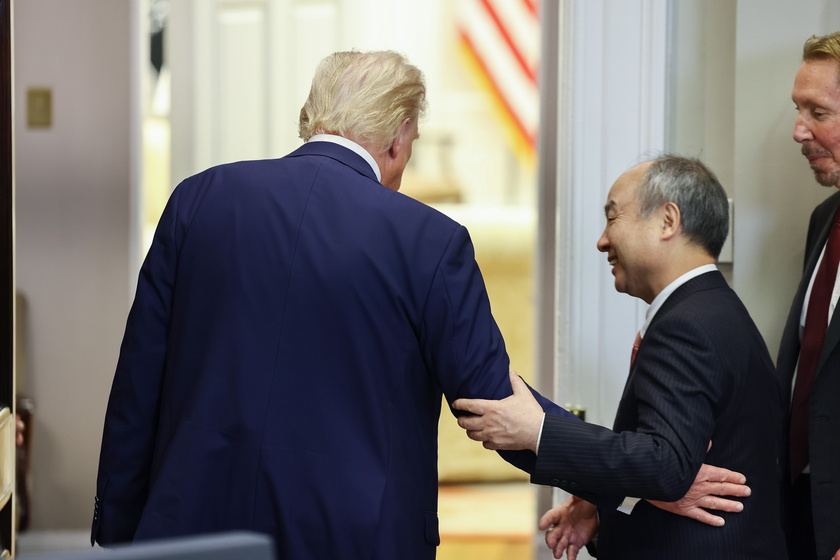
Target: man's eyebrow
column 609, row 206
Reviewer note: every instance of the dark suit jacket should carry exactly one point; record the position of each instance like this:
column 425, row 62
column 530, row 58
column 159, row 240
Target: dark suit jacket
column 824, row 405
column 702, row 373
column 294, row 328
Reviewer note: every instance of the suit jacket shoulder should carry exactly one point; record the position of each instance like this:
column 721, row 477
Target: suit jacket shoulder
column 819, row 224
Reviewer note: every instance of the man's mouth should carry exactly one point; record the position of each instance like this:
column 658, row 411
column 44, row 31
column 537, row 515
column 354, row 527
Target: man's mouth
column 813, row 154
column 612, row 261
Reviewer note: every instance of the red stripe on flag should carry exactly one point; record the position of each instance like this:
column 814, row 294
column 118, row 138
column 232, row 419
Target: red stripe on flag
column 531, row 6
column 520, row 126
column 530, row 72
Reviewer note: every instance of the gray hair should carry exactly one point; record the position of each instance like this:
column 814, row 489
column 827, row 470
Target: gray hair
column 364, row 96
column 696, row 191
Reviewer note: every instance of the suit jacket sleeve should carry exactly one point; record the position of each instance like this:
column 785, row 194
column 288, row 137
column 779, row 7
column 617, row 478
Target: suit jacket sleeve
column 462, row 342
column 132, row 414
column 663, row 426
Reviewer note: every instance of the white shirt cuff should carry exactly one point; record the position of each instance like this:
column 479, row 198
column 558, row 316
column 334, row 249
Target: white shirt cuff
column 628, row 504
column 539, row 434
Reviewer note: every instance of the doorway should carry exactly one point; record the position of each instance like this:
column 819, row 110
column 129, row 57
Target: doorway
column 227, row 83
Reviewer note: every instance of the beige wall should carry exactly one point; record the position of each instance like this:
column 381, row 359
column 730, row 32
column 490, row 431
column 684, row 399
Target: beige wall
column 775, row 190
column 72, row 203
column 733, row 70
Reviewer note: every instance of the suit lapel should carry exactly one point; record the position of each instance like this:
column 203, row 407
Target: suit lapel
column 832, row 334
column 789, row 348
column 707, row 281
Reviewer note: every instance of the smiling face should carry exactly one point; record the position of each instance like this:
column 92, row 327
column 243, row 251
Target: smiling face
column 816, row 94
column 631, row 242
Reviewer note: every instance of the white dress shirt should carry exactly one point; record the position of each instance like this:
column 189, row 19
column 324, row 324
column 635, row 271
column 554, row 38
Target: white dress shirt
column 341, row 140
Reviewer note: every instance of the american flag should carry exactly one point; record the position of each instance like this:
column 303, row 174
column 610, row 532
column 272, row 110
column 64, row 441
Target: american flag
column 500, row 39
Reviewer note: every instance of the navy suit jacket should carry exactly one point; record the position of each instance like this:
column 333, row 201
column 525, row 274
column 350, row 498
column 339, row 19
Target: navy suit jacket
column 702, row 373
column 824, row 405
column 294, row 328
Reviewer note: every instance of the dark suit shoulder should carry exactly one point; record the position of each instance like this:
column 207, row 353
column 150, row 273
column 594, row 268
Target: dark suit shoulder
column 818, row 225
column 827, row 206
column 706, row 313
column 705, row 298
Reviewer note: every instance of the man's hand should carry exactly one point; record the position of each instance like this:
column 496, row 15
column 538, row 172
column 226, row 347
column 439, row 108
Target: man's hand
column 709, row 485
column 570, row 526
column 512, row 423
column 836, row 556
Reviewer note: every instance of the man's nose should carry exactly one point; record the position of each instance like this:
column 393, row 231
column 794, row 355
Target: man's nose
column 603, row 243
column 801, row 132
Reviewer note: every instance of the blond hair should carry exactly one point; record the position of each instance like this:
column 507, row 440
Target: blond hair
column 363, row 96
column 826, row 46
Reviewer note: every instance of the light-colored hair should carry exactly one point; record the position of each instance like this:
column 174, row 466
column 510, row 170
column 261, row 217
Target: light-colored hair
column 363, row 96
column 826, row 46
column 704, row 208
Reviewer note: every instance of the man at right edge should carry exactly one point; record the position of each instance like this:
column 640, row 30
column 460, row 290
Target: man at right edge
column 809, row 354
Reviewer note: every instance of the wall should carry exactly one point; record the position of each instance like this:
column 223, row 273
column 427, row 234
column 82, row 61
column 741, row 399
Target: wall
column 775, row 190
column 73, row 185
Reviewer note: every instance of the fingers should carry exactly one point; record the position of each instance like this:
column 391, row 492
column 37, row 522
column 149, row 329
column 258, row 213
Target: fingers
column 728, row 489
column 474, row 435
column 518, row 384
column 720, row 504
column 704, row 516
column 476, row 406
column 711, row 473
column 549, row 518
column 474, row 427
column 471, row 423
column 556, row 540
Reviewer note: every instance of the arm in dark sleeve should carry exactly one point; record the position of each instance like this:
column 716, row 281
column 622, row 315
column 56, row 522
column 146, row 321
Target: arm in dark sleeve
column 673, row 387
column 462, row 342
column 128, row 439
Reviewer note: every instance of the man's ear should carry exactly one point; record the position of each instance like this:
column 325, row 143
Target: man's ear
column 671, row 220
column 402, row 138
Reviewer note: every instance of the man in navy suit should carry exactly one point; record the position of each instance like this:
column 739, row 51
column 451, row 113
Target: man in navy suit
column 701, row 374
column 295, row 326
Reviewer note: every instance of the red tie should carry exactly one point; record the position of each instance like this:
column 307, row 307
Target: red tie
column 635, row 347
column 813, row 335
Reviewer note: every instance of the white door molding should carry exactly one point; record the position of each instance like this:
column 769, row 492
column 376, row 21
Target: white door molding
column 609, row 113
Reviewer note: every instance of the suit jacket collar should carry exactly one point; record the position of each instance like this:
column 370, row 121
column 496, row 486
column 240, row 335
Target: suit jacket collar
column 711, row 280
column 811, row 263
column 338, row 153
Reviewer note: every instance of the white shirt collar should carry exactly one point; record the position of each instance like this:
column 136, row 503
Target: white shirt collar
column 670, row 289
column 349, row 144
